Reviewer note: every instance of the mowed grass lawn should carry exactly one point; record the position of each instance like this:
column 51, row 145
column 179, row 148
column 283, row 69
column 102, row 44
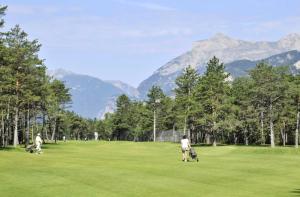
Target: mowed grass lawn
column 149, row 169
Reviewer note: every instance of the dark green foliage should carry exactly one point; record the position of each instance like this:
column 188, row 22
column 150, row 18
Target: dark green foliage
column 185, row 102
column 211, row 94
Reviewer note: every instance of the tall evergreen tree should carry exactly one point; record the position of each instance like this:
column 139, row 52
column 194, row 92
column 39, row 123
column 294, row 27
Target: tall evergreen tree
column 270, row 87
column 245, row 112
column 186, row 84
column 21, row 58
column 211, row 92
column 122, row 118
column 295, row 95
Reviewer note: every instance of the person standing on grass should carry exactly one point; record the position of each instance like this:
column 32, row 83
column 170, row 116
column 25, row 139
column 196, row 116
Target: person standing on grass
column 185, row 146
column 38, row 143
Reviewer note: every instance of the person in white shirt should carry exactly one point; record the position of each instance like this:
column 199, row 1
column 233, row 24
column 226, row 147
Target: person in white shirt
column 185, row 146
column 38, row 143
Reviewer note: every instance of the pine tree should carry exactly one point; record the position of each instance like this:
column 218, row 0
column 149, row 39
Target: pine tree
column 294, row 93
column 245, row 111
column 121, row 119
column 211, row 92
column 270, row 87
column 186, row 84
column 58, row 98
column 21, row 58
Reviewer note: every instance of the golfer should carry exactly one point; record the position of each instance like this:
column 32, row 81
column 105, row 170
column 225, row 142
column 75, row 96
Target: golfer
column 38, row 143
column 185, row 146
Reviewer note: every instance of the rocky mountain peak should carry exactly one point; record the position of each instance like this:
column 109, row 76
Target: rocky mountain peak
column 220, row 37
column 59, row 73
column 225, row 48
column 218, row 41
column 129, row 90
column 291, row 40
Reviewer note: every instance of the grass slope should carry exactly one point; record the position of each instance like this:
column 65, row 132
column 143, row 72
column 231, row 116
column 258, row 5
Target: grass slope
column 148, row 169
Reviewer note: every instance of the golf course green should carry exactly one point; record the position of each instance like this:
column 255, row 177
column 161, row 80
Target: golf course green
column 148, row 169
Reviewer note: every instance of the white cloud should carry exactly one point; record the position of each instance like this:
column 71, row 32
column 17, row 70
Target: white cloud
column 30, row 9
column 261, row 30
column 157, row 32
column 147, row 5
column 21, row 9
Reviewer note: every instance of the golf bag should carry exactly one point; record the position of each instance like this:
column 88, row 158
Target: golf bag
column 31, row 148
column 193, row 154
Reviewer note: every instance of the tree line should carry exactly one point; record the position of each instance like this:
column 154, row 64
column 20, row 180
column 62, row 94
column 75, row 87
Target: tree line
column 261, row 108
column 30, row 101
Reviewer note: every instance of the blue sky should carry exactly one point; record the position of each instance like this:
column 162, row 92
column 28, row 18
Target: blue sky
column 128, row 40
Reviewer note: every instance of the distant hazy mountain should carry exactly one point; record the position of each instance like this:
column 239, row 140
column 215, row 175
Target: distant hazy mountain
column 127, row 89
column 92, row 97
column 241, row 67
column 225, row 48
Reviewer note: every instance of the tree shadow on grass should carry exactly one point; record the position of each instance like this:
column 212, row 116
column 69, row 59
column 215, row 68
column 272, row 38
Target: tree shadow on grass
column 240, row 145
column 21, row 147
column 7, row 149
column 204, row 145
column 295, row 192
column 49, row 145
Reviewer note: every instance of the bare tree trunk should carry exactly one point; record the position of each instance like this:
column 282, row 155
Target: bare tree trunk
column 57, row 129
column 27, row 133
column 184, row 128
column 32, row 129
column 214, row 137
column 215, row 140
column 2, row 130
column 16, row 140
column 282, row 136
column 7, row 129
column 235, row 138
column 213, row 129
column 297, row 131
column 207, row 138
column 262, row 127
column 272, row 126
column 246, row 137
column 154, row 126
column 44, row 128
column 54, row 130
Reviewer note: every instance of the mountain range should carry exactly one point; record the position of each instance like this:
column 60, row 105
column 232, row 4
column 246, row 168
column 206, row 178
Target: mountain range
column 93, row 97
column 225, row 48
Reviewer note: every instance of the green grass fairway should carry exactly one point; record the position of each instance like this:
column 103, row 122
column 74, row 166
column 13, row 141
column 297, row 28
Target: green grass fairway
column 149, row 169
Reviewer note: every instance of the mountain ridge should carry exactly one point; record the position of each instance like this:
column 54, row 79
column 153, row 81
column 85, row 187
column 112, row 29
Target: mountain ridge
column 92, row 97
column 227, row 49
